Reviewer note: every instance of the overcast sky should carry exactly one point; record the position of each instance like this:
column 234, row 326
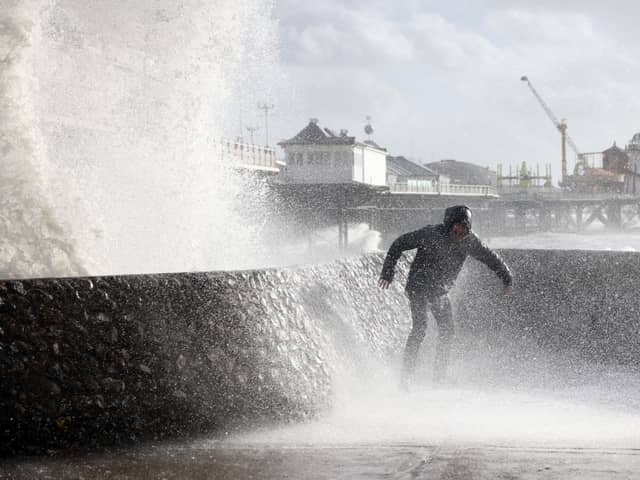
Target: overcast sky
column 441, row 79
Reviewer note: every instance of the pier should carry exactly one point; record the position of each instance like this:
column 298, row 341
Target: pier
column 246, row 156
column 331, row 179
column 391, row 212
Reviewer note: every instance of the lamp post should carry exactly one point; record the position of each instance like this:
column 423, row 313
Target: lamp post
column 266, row 107
column 251, row 131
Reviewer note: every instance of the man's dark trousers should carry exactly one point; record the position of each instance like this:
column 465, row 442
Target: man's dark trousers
column 440, row 307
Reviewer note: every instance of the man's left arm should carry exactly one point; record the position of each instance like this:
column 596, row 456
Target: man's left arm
column 491, row 259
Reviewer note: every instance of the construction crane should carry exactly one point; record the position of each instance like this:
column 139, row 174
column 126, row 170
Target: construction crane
column 561, row 125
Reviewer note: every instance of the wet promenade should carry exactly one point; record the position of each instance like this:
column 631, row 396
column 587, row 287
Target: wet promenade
column 340, row 462
column 589, row 431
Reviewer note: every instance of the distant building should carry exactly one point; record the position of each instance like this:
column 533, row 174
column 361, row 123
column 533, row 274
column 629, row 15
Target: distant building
column 599, row 180
column 601, row 172
column 319, row 156
column 632, row 179
column 633, row 152
column 401, row 171
column 464, row 173
column 615, row 160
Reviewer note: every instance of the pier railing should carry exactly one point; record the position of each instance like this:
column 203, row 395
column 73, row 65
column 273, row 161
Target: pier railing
column 444, row 189
column 249, row 156
column 527, row 190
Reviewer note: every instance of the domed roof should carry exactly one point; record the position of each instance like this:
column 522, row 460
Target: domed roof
column 613, row 149
column 634, row 143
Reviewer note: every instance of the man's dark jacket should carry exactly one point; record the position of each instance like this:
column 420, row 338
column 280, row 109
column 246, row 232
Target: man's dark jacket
column 439, row 257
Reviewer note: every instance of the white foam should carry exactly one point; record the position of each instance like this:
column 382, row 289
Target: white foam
column 626, row 241
column 463, row 416
column 113, row 116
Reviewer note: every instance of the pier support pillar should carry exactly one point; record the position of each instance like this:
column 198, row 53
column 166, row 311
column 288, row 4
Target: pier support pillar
column 343, row 229
column 521, row 220
column 579, row 225
column 614, row 214
column 545, row 219
column 373, row 219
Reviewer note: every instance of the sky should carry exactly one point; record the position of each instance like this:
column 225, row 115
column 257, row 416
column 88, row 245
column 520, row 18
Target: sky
column 441, row 79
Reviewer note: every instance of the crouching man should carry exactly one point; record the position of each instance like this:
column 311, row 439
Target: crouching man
column 441, row 252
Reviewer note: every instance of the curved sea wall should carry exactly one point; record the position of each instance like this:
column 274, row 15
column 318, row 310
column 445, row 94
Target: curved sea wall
column 109, row 360
column 90, row 361
column 572, row 312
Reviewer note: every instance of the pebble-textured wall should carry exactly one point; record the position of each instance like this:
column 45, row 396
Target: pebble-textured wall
column 91, row 361
column 581, row 306
column 95, row 361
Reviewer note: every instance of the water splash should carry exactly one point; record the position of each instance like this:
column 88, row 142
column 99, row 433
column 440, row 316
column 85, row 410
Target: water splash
column 32, row 239
column 111, row 122
column 461, row 416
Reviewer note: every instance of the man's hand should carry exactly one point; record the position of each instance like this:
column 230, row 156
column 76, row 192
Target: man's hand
column 383, row 284
column 508, row 291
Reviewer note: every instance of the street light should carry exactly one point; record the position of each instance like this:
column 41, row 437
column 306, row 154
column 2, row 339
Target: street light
column 266, row 107
column 251, row 131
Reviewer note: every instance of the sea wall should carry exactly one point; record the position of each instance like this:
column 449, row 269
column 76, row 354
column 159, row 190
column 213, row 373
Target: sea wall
column 96, row 361
column 570, row 310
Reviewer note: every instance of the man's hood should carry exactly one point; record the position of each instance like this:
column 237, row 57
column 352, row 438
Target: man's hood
column 458, row 214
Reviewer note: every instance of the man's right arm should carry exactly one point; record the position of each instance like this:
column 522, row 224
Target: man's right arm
column 408, row 241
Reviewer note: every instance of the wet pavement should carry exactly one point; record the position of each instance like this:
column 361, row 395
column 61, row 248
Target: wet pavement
column 590, row 431
column 338, row 462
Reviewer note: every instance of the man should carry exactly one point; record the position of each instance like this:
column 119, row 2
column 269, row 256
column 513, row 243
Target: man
column 441, row 252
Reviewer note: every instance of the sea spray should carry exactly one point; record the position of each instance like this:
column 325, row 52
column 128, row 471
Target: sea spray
column 32, row 239
column 111, row 122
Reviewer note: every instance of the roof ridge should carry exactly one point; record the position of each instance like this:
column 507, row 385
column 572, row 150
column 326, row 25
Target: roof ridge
column 314, row 134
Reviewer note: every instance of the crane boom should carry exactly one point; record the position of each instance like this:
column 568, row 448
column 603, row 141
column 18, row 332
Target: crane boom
column 545, row 107
column 573, row 146
column 560, row 125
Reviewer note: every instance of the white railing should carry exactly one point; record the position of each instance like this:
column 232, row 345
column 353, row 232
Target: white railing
column 444, row 189
column 244, row 155
column 521, row 189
